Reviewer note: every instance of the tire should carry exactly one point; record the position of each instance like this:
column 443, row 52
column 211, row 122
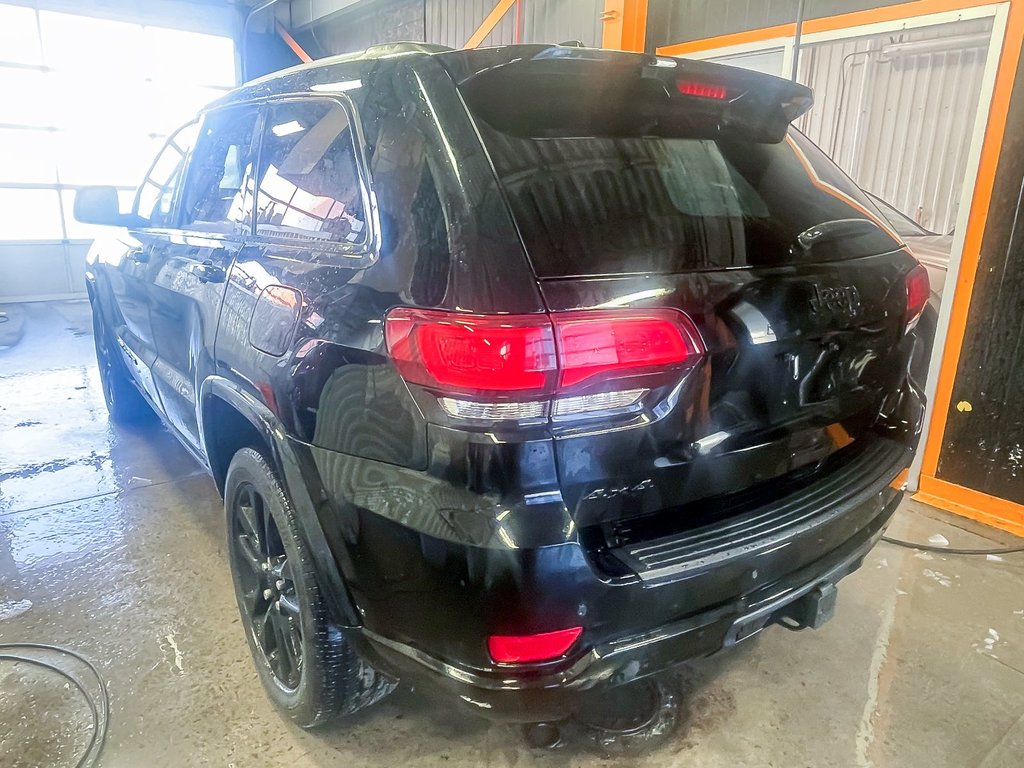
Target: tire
column 307, row 666
column 125, row 402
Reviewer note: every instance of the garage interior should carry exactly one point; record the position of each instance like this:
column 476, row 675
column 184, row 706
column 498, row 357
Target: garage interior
column 112, row 540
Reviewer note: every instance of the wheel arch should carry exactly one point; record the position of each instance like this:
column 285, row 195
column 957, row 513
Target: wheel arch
column 230, row 419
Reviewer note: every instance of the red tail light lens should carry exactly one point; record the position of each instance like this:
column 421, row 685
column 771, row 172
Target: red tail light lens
column 472, row 354
column 529, row 366
column 614, row 345
column 918, row 291
column 520, row 649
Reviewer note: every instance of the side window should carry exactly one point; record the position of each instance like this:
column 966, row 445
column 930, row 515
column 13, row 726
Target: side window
column 218, row 193
column 155, row 197
column 309, row 181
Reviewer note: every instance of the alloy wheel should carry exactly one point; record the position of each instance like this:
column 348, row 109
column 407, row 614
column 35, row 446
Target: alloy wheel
column 267, row 586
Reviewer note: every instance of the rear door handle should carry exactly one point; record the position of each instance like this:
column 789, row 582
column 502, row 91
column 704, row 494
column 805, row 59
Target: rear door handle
column 207, row 272
column 138, row 255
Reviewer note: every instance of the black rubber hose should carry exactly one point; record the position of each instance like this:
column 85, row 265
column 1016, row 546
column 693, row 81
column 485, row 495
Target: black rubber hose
column 100, row 711
column 952, row 550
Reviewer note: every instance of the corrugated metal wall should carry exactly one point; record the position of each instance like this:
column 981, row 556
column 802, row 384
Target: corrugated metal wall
column 389, row 21
column 898, row 114
column 677, row 21
column 452, row 22
column 555, row 21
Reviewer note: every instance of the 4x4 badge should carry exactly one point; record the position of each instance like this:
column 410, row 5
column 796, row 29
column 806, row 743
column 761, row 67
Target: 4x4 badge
column 624, row 490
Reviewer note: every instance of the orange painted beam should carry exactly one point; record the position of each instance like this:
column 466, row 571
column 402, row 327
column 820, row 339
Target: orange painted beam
column 489, row 23
column 292, row 43
column 625, row 25
column 990, row 510
column 725, row 41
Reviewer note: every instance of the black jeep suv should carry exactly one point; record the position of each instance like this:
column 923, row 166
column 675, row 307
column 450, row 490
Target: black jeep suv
column 522, row 371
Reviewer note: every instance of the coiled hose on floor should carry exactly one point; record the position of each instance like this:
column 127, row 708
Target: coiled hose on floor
column 99, row 707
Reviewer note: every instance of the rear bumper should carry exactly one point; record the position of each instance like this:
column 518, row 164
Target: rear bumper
column 549, row 691
column 552, row 694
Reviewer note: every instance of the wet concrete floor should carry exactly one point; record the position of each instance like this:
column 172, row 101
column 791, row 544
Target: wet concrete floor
column 112, row 543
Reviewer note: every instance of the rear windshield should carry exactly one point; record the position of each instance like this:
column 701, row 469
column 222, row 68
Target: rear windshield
column 621, row 204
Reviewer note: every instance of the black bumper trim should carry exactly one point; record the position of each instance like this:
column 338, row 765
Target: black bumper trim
column 673, row 557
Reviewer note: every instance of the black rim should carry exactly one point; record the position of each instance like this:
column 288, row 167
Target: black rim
column 267, row 587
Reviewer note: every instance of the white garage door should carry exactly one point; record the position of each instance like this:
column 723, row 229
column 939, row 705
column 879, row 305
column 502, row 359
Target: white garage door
column 85, row 101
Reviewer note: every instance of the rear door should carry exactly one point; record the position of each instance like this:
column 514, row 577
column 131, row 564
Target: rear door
column 640, row 184
column 189, row 268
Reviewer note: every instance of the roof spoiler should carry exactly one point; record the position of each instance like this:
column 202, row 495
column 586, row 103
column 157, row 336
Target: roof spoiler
column 563, row 90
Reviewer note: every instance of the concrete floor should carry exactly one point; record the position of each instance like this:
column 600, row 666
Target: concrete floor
column 111, row 542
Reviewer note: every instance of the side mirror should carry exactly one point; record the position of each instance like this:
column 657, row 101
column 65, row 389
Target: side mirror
column 100, row 205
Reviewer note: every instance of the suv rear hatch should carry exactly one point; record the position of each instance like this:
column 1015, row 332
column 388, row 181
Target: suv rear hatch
column 650, row 190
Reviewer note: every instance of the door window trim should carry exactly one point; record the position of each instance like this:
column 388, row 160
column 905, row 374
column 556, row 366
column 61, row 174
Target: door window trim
column 365, row 252
column 368, row 248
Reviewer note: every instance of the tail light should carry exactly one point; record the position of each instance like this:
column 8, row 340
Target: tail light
column 918, row 291
column 520, row 649
column 526, row 367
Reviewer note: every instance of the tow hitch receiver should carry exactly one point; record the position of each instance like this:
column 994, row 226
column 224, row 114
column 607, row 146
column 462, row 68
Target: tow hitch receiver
column 812, row 610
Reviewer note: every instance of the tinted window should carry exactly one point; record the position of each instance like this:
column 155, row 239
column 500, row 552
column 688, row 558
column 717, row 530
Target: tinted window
column 218, row 196
column 156, row 195
column 617, row 205
column 902, row 223
column 309, row 181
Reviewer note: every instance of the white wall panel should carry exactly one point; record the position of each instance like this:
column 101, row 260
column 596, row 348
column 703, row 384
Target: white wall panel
column 897, row 111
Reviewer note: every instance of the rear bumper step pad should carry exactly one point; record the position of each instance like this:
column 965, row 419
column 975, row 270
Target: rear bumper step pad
column 770, row 525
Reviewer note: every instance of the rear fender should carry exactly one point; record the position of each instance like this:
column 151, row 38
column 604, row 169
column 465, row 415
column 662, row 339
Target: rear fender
column 293, row 473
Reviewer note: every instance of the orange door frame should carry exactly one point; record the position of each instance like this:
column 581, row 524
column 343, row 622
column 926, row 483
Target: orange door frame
column 1000, row 513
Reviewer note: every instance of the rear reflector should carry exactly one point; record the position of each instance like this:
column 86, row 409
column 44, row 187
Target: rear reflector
column 918, row 291
column 703, row 90
column 520, row 649
column 520, row 367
